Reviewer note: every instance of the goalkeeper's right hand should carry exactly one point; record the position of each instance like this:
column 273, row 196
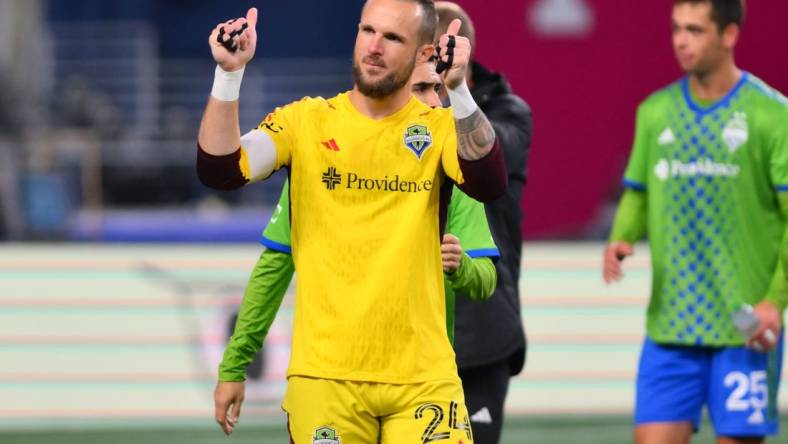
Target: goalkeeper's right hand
column 615, row 252
column 233, row 42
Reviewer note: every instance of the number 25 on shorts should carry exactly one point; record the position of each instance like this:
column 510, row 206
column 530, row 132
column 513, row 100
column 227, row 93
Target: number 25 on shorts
column 748, row 393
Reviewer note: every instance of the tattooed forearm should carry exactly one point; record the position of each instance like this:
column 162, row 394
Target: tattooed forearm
column 475, row 136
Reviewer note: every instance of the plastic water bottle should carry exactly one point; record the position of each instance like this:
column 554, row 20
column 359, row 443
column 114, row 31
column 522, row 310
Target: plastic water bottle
column 745, row 321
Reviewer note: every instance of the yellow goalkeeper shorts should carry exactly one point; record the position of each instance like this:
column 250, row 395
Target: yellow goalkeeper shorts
column 327, row 411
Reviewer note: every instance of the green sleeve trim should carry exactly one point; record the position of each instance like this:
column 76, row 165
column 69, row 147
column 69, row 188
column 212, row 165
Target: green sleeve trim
column 630, row 221
column 778, row 289
column 277, row 233
column 263, row 296
column 475, row 279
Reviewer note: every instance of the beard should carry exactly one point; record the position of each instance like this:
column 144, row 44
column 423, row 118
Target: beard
column 386, row 86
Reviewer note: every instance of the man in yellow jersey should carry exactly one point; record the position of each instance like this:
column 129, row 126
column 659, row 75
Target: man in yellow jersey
column 370, row 175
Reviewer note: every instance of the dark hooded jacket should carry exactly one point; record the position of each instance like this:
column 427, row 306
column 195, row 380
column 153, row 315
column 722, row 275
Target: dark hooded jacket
column 492, row 330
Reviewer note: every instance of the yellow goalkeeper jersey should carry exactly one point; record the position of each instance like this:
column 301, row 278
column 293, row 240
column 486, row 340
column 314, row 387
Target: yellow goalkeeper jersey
column 365, row 197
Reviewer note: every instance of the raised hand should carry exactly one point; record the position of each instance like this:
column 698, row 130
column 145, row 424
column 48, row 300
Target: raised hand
column 233, row 42
column 454, row 55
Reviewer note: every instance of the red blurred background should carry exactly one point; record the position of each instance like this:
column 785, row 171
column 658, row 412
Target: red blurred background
column 584, row 87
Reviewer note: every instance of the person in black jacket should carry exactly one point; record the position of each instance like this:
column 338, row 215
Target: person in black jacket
column 490, row 341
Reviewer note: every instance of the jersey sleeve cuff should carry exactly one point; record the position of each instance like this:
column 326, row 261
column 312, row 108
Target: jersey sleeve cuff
column 220, row 172
column 227, row 377
column 276, row 246
column 634, row 185
column 484, row 252
column 231, row 375
column 485, row 179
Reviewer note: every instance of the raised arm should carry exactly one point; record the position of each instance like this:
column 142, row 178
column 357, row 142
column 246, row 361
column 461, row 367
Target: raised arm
column 475, row 134
column 220, row 132
column 225, row 159
column 481, row 159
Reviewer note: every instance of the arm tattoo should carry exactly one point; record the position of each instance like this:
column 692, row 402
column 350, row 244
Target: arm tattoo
column 475, row 136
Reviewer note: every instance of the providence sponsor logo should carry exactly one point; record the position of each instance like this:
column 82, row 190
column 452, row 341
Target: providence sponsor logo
column 395, row 184
column 331, row 178
column 352, row 181
column 665, row 169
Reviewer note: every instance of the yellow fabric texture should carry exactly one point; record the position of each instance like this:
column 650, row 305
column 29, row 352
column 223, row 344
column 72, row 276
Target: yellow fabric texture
column 357, row 412
column 364, row 198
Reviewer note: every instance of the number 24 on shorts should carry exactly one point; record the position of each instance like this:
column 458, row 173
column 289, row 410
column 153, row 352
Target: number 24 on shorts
column 436, row 411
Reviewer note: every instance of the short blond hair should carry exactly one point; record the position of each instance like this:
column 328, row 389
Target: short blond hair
column 429, row 21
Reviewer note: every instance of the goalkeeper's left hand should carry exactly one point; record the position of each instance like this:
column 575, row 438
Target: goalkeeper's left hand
column 454, row 55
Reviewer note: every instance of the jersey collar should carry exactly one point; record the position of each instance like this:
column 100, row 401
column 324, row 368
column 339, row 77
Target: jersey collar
column 701, row 110
column 405, row 110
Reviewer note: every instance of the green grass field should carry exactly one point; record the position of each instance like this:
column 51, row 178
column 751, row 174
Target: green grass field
column 528, row 430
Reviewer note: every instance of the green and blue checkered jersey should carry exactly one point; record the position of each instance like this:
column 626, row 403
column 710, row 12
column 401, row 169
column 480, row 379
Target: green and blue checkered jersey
column 711, row 173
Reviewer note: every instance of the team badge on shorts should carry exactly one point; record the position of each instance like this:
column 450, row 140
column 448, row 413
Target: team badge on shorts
column 417, row 139
column 325, row 435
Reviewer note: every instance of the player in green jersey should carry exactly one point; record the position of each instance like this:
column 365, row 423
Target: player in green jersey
column 467, row 251
column 707, row 181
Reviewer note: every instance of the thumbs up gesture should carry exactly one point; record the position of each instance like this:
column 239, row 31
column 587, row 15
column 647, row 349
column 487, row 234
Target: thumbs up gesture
column 454, row 55
column 233, row 42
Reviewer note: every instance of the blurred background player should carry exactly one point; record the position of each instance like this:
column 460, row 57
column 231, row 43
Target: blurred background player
column 490, row 340
column 352, row 314
column 707, row 180
column 470, row 272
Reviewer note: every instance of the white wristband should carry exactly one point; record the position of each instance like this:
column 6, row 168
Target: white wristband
column 227, row 85
column 462, row 103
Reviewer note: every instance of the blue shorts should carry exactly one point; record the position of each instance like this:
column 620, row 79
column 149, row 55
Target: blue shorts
column 737, row 385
